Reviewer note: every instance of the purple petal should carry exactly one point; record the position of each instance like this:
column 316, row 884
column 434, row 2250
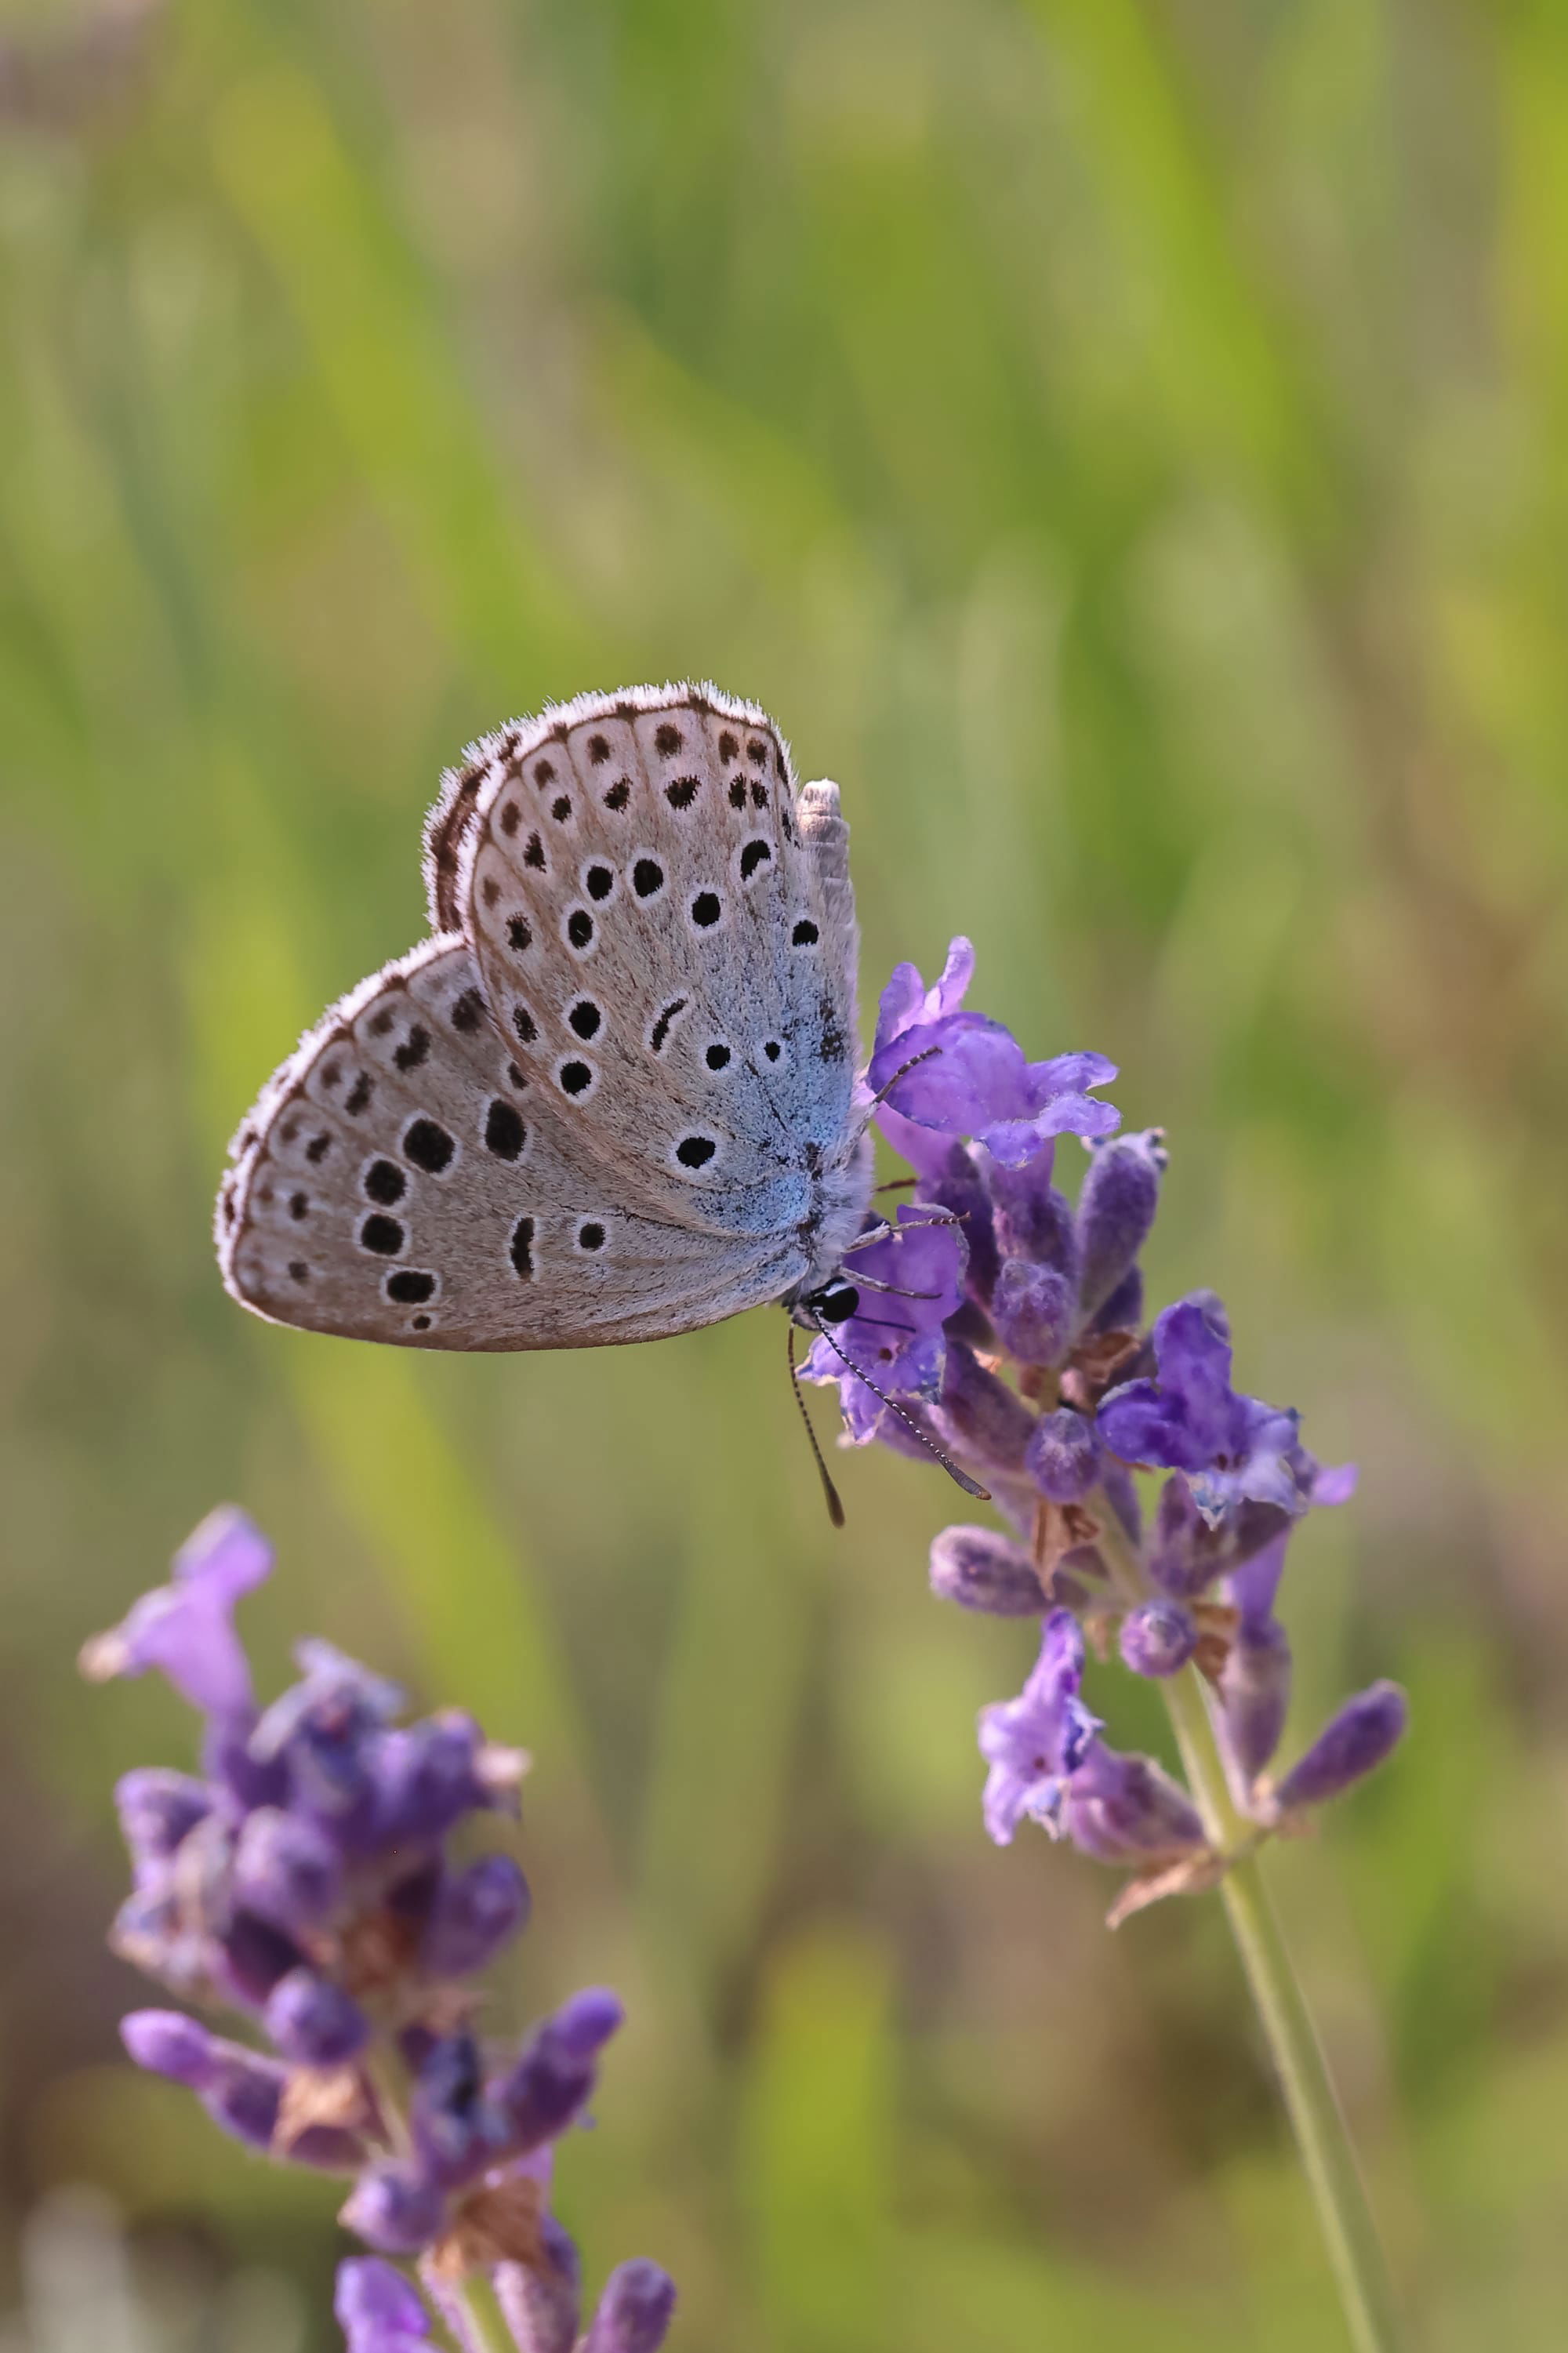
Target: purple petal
column 1142, row 1424
column 186, row 1629
column 1335, row 1485
column 1035, row 1743
column 905, row 1000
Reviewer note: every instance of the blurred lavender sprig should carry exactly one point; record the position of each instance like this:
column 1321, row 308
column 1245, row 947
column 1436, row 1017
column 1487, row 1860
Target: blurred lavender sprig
column 1023, row 1355
column 305, row 1880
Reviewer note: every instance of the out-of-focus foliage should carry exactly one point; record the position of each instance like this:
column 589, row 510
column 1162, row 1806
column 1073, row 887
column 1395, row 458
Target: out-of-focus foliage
column 1125, row 445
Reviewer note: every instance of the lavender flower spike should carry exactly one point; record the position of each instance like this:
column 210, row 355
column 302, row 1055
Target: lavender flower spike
column 307, row 1881
column 1034, row 1743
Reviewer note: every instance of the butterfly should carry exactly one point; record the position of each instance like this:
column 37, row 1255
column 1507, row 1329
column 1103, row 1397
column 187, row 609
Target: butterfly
column 613, row 1096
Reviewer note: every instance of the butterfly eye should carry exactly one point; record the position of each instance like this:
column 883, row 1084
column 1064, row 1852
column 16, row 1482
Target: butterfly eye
column 835, row 1303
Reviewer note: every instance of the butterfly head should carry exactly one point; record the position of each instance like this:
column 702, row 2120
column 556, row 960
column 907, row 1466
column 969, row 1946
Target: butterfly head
column 833, row 1302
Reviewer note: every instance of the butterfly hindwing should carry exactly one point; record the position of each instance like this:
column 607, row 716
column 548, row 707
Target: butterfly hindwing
column 405, row 1178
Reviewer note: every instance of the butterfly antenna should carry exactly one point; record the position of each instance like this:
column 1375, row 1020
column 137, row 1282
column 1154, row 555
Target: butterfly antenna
column 834, row 1502
column 969, row 1486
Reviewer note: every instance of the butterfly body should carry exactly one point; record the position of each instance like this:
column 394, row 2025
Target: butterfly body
column 613, row 1095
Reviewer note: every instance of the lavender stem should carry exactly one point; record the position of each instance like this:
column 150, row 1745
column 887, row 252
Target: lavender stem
column 477, row 2320
column 1322, row 2138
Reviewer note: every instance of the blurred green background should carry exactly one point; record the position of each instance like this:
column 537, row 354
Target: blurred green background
column 1126, row 443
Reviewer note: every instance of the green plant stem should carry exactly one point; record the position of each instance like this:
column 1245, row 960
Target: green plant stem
column 482, row 2319
column 1354, row 2250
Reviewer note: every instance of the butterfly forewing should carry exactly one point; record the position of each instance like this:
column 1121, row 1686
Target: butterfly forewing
column 396, row 1183
column 666, row 947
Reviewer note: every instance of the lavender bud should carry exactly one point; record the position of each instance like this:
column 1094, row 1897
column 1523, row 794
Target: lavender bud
column 243, row 2095
column 543, row 2091
column 427, row 1779
column 1365, row 1730
column 635, row 2311
column 249, row 1958
column 156, row 1810
column 1255, row 1693
column 287, row 1870
column 980, row 1569
column 1063, row 1456
column 455, row 2134
column 1123, row 1311
column 1122, row 1495
column 475, row 1916
column 394, row 2207
column 1032, row 1219
column 985, row 1420
column 377, row 2309
column 148, row 1932
column 167, row 2042
column 1158, row 1639
column 1126, row 1808
column 313, row 2022
column 1115, row 1210
column 542, row 2302
column 1032, row 1309
column 583, row 2025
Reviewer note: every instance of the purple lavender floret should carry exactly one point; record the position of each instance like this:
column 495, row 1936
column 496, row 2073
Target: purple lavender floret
column 1233, row 1450
column 1034, row 1744
column 306, row 1882
column 897, row 1335
column 1042, row 1385
column 972, row 1079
